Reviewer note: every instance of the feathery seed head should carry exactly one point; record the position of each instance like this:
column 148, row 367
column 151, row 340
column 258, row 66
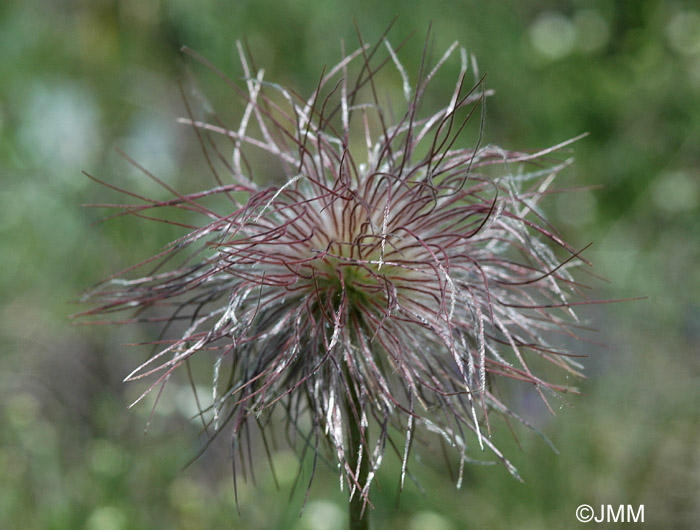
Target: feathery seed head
column 386, row 286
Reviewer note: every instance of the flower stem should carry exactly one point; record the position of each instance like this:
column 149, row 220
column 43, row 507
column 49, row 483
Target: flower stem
column 359, row 511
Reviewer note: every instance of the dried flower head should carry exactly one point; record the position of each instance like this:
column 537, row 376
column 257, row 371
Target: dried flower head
column 383, row 288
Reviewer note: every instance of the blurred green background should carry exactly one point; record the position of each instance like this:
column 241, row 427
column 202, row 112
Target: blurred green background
column 81, row 78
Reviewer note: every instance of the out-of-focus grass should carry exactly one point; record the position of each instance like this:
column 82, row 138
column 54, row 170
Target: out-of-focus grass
column 78, row 79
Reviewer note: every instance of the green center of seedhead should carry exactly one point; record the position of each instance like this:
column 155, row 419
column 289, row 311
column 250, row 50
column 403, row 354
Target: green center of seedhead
column 338, row 277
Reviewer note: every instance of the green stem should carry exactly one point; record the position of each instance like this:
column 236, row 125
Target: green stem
column 358, row 519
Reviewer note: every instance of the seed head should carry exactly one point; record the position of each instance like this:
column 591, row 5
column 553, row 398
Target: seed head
column 381, row 291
